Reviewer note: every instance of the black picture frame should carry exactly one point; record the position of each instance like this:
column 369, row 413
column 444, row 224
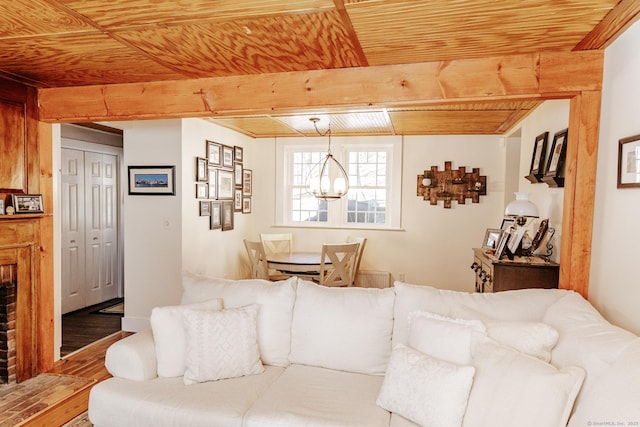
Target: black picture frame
column 228, row 156
column 629, row 162
column 152, row 180
column 227, row 215
column 238, row 154
column 237, row 175
column 214, row 153
column 202, row 169
column 554, row 172
column 536, row 172
column 27, row 203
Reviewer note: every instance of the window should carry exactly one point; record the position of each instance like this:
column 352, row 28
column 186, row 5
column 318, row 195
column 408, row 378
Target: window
column 374, row 168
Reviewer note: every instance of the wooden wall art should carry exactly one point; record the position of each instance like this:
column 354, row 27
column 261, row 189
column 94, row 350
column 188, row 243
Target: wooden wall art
column 448, row 185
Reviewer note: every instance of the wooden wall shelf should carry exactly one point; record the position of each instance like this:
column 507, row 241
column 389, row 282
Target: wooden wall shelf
column 448, row 185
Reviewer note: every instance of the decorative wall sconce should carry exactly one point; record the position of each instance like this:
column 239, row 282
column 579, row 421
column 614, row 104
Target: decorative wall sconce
column 448, row 185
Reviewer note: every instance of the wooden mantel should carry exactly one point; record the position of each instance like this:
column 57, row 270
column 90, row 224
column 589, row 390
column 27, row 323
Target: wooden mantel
column 564, row 75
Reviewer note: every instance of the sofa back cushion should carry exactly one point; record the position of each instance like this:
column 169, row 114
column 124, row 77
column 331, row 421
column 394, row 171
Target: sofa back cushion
column 275, row 301
column 347, row 329
column 526, row 304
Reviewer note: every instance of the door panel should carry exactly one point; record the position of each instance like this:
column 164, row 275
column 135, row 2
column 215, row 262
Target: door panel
column 93, row 212
column 109, row 227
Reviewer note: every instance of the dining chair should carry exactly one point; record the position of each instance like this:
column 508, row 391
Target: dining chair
column 258, row 261
column 362, row 241
column 275, row 243
column 339, row 272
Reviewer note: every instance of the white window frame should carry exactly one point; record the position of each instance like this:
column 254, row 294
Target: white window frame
column 340, row 146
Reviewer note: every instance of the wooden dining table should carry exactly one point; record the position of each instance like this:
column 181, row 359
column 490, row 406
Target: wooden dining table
column 296, row 262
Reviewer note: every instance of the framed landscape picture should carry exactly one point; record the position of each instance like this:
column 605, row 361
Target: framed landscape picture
column 152, row 180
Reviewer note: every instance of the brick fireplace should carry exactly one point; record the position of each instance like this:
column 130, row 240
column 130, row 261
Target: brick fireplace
column 8, row 279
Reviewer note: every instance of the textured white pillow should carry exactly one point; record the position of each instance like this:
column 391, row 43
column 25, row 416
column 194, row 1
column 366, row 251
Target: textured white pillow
column 169, row 337
column 221, row 344
column 513, row 389
column 425, row 390
column 442, row 337
column 275, row 299
column 536, row 339
column 347, row 329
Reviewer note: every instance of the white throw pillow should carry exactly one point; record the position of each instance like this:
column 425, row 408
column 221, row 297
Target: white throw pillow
column 275, row 299
column 169, row 336
column 536, row 339
column 425, row 390
column 347, row 329
column 513, row 389
column 442, row 337
column 221, row 344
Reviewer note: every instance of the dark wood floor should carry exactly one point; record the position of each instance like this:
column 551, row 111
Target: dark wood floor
column 83, row 327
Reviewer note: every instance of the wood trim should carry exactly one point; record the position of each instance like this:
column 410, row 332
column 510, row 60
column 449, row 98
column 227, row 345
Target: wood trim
column 528, row 76
column 579, row 192
column 621, row 17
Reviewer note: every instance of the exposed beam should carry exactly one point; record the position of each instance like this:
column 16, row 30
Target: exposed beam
column 615, row 23
column 527, row 76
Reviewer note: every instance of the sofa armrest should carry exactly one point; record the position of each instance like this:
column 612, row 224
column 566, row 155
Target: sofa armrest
column 133, row 358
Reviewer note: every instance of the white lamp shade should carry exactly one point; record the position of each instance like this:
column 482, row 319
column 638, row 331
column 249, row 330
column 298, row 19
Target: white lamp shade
column 521, row 207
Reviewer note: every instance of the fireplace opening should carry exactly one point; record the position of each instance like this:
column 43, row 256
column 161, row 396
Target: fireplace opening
column 8, row 282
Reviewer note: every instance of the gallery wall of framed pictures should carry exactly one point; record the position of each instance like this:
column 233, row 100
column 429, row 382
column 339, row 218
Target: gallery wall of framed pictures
column 223, row 185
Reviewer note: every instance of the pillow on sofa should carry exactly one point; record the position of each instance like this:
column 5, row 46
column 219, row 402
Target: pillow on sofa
column 275, row 299
column 425, row 390
column 513, row 389
column 347, row 329
column 536, row 339
column 169, row 336
column 221, row 344
column 442, row 337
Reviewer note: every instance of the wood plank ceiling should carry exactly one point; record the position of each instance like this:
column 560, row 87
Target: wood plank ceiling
column 58, row 43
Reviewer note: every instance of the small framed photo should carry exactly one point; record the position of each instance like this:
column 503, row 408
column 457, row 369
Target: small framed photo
column 1, row 206
column 247, row 178
column 227, row 215
column 201, row 169
column 507, row 223
column 27, row 203
column 213, row 182
column 554, row 175
column 238, row 154
column 152, row 180
column 202, row 191
column 237, row 200
column 491, row 238
column 205, row 208
column 227, row 156
column 537, row 160
column 214, row 153
column 225, row 184
column 629, row 162
column 502, row 244
column 215, row 223
column 237, row 174
column 246, row 205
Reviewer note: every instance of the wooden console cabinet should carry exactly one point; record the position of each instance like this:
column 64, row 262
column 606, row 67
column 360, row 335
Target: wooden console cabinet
column 493, row 275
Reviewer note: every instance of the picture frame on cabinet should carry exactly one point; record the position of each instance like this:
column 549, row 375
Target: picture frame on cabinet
column 536, row 171
column 502, row 244
column 215, row 222
column 27, row 203
column 1, row 206
column 554, row 172
column 227, row 215
column 507, row 223
column 629, row 162
column 152, row 180
column 214, row 153
column 491, row 238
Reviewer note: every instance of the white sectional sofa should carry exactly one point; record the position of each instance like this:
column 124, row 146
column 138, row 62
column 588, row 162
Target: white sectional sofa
column 402, row 356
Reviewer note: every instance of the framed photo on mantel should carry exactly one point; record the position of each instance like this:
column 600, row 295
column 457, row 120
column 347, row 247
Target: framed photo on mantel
column 554, row 173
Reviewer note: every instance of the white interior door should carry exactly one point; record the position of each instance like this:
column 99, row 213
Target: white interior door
column 110, row 227
column 73, row 236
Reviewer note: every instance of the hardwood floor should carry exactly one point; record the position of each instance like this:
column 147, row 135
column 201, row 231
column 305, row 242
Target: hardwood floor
column 83, row 327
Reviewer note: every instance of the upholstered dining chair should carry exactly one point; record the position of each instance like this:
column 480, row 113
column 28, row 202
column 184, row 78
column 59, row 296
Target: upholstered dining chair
column 258, row 261
column 362, row 241
column 277, row 243
column 342, row 257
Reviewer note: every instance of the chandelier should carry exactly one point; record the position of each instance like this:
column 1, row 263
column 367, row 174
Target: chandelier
column 327, row 180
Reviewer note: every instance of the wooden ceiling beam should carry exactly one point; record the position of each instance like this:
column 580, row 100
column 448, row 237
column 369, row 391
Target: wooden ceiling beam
column 526, row 76
column 615, row 23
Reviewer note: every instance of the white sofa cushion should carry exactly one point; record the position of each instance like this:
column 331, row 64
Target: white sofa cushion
column 426, row 390
column 167, row 402
column 317, row 397
column 443, row 337
column 347, row 329
column 169, row 336
column 525, row 304
column 513, row 389
column 536, row 339
column 133, row 357
column 275, row 299
column 221, row 344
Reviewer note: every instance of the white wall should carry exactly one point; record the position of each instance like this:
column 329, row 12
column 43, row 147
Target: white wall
column 434, row 245
column 614, row 286
column 551, row 116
